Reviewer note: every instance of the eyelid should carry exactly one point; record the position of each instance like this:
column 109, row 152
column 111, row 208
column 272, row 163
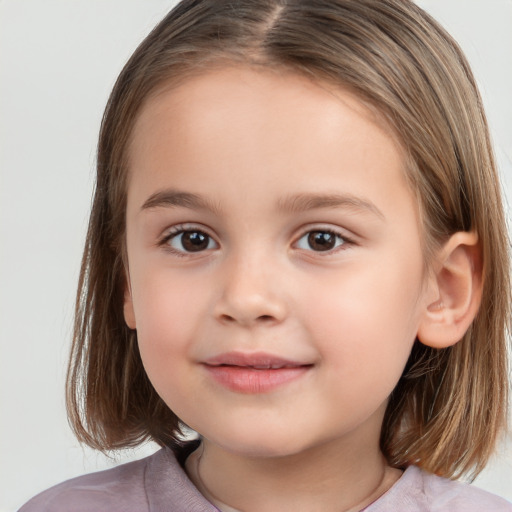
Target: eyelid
column 177, row 229
column 349, row 240
column 169, row 233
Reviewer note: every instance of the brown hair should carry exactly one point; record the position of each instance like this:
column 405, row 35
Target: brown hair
column 450, row 405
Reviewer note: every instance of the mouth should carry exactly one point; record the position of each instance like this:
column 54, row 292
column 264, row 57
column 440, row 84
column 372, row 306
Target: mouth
column 254, row 373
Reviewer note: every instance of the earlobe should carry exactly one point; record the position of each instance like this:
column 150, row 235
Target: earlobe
column 129, row 313
column 458, row 283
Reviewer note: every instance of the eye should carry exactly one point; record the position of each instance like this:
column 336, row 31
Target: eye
column 321, row 241
column 190, row 240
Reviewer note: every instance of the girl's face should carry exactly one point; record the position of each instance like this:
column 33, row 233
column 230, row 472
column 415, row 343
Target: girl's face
column 276, row 277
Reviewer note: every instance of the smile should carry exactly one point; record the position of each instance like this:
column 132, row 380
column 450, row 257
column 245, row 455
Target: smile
column 254, row 373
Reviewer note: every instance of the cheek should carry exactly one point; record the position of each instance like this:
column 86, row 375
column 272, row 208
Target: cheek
column 167, row 321
column 167, row 313
column 365, row 321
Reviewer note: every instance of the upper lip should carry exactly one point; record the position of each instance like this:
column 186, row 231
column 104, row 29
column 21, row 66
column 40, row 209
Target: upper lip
column 259, row 360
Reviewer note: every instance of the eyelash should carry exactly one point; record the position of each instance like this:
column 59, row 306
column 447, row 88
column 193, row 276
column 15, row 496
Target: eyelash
column 345, row 241
column 175, row 231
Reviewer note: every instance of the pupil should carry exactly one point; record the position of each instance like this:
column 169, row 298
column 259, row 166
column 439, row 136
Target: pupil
column 321, row 240
column 194, row 241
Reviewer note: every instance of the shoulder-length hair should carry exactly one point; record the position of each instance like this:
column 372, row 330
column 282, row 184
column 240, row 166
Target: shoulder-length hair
column 450, row 404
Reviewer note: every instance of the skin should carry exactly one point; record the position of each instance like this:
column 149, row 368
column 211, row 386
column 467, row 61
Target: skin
column 246, row 140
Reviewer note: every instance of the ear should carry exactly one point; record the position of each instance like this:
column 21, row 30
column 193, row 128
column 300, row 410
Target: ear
column 129, row 313
column 457, row 290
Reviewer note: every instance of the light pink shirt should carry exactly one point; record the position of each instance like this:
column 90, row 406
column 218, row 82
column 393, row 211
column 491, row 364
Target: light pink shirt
column 159, row 484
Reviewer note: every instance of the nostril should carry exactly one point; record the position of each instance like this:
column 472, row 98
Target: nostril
column 261, row 318
column 265, row 318
column 249, row 310
column 227, row 318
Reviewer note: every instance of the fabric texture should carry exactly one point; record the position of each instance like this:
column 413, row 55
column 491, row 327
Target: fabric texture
column 159, row 484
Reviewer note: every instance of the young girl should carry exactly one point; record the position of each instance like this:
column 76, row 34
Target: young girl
column 297, row 249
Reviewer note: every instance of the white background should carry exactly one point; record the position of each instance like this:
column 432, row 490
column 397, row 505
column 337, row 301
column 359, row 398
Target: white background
column 58, row 62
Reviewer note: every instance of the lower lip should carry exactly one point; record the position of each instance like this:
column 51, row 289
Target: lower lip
column 243, row 379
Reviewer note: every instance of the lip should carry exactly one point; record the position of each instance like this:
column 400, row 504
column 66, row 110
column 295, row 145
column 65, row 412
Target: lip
column 255, row 372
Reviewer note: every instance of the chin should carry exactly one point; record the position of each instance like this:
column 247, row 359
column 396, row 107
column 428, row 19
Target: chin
column 262, row 444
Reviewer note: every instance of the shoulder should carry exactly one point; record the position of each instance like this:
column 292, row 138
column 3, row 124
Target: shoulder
column 155, row 483
column 119, row 488
column 419, row 491
column 453, row 496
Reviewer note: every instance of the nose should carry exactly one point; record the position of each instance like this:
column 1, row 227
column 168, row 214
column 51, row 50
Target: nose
column 250, row 294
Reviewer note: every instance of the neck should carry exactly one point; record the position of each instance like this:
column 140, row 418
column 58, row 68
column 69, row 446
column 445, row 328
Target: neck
column 332, row 476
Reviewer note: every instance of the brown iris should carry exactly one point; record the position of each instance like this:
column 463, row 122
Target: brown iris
column 321, row 240
column 194, row 241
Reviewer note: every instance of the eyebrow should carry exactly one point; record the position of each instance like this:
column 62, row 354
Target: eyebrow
column 292, row 204
column 304, row 202
column 172, row 198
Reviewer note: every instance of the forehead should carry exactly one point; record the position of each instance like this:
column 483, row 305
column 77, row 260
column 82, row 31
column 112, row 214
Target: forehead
column 220, row 86
column 240, row 126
